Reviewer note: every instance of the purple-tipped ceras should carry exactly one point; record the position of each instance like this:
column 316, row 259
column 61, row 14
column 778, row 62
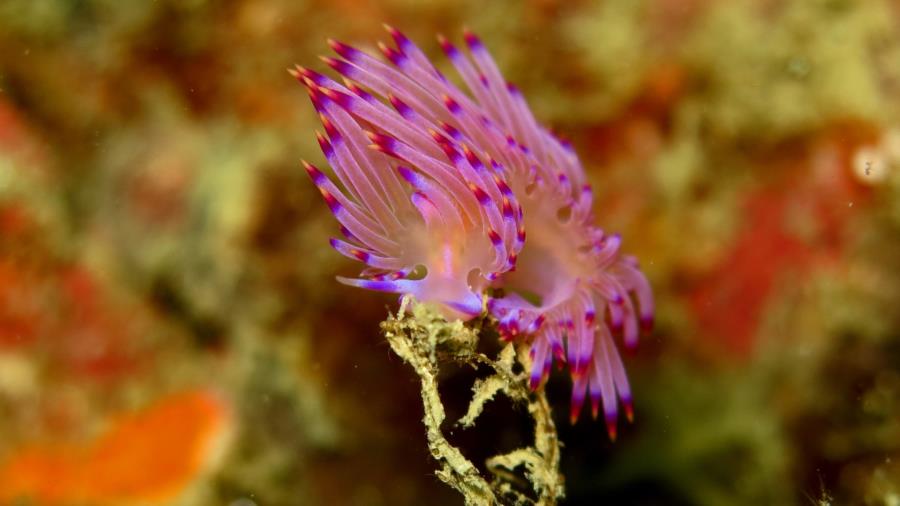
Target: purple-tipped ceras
column 465, row 200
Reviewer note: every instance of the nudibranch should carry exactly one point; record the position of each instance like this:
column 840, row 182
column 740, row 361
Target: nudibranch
column 465, row 200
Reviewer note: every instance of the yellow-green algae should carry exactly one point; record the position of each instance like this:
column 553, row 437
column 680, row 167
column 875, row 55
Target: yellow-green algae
column 424, row 339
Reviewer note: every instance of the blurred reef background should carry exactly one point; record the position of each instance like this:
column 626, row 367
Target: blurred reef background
column 170, row 327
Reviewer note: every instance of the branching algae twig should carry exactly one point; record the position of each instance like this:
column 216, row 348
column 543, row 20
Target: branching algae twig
column 424, row 339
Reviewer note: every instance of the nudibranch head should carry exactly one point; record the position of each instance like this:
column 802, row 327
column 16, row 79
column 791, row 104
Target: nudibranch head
column 464, row 200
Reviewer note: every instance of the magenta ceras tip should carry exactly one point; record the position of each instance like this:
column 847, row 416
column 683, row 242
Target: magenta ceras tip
column 444, row 183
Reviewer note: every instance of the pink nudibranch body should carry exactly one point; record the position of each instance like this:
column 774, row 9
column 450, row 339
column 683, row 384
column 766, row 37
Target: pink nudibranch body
column 465, row 200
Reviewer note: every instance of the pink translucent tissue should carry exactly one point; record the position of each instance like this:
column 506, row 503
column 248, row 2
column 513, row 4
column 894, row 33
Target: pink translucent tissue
column 465, row 200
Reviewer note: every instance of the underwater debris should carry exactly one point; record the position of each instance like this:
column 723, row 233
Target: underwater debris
column 425, row 339
column 443, row 215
